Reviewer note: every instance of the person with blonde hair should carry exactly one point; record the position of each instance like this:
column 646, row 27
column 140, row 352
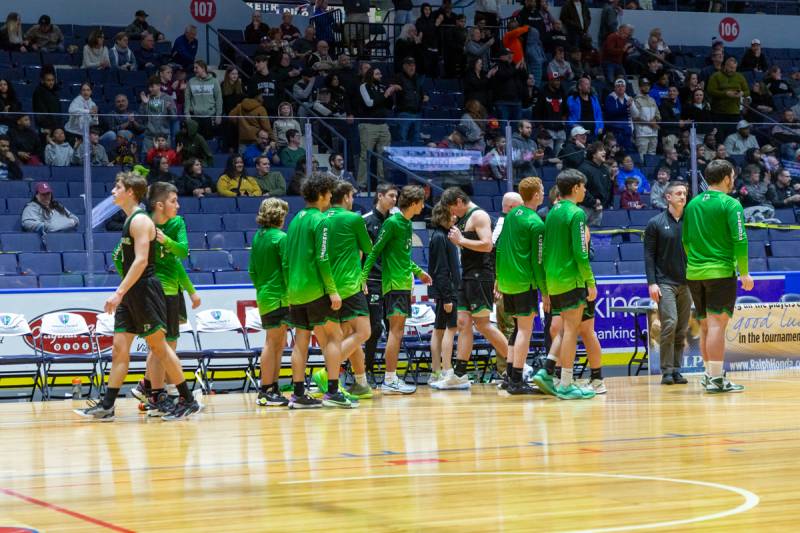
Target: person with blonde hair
column 11, row 37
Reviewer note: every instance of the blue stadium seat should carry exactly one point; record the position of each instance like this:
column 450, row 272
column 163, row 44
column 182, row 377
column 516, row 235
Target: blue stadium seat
column 606, row 253
column 604, row 268
column 21, row 242
column 758, row 264
column 8, row 264
column 630, row 267
column 225, row 239
column 18, row 282
column 248, row 204
column 105, row 242
column 615, row 218
column 16, row 205
column 102, row 280
column 40, row 173
column 362, row 205
column 201, row 278
column 74, row 205
column 787, row 216
column 784, row 263
column 15, row 188
column 640, row 217
column 10, row 223
column 631, row 251
column 235, row 277
column 197, row 240
column 248, row 236
column 61, row 280
column 67, row 173
column 215, row 204
column 296, row 203
column 485, row 188
column 784, row 235
column 756, row 249
column 420, row 257
column 240, row 259
column 40, row 263
column 239, row 221
column 757, row 234
column 77, row 262
column 783, row 249
column 64, row 242
column 109, row 261
column 189, row 204
column 424, row 237
column 198, row 222
column 209, row 260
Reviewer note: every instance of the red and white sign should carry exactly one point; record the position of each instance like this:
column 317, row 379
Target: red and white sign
column 203, row 11
column 729, row 29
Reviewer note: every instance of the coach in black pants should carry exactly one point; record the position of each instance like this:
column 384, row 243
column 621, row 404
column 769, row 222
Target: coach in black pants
column 665, row 265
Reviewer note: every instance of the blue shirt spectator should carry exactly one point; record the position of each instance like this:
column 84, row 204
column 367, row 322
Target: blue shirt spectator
column 184, row 49
column 628, row 170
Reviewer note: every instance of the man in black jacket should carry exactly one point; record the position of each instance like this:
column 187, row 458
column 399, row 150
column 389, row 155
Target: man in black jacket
column 507, row 84
column 551, row 109
column 599, row 189
column 408, row 102
column 573, row 152
column 665, row 266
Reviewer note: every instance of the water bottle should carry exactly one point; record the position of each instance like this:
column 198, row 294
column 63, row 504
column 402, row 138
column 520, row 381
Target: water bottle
column 76, row 389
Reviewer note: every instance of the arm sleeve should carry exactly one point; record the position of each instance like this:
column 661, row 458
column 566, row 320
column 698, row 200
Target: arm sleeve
column 383, row 237
column 30, row 221
column 362, row 237
column 739, row 236
column 277, row 184
column 365, row 97
column 223, row 186
column 184, row 281
column 580, row 249
column 537, row 259
column 323, row 259
column 650, row 240
column 180, row 247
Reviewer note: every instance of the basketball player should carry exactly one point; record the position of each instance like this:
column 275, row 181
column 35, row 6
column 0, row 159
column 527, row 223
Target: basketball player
column 716, row 247
column 139, row 305
column 473, row 234
column 266, row 271
column 520, row 273
column 570, row 281
column 314, row 300
column 445, row 271
column 347, row 240
column 505, row 323
column 397, row 278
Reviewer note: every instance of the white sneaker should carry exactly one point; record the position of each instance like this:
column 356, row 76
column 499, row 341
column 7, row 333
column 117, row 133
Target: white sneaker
column 442, row 378
column 527, row 373
column 598, row 386
column 397, row 387
column 453, row 382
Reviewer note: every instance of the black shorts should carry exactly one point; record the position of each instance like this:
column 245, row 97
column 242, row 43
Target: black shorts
column 445, row 320
column 143, row 310
column 309, row 315
column 275, row 319
column 353, row 307
column 568, row 300
column 714, row 296
column 176, row 315
column 523, row 304
column 476, row 296
column 397, row 303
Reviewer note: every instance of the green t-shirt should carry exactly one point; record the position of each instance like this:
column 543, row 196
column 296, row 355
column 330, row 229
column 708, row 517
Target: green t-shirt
column 714, row 237
column 266, row 269
column 306, row 271
column 519, row 252
column 394, row 248
column 347, row 236
column 566, row 252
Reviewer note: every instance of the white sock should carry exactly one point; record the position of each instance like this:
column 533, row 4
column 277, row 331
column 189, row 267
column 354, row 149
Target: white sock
column 361, row 379
column 715, row 368
column 171, row 389
column 566, row 377
column 390, row 377
column 552, row 357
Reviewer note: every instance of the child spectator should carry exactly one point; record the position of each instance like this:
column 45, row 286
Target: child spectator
column 162, row 149
column 98, row 155
column 125, row 150
column 284, row 123
column 157, row 110
column 628, row 170
column 25, row 142
column 657, row 199
column 630, row 196
column 58, row 152
column 192, row 143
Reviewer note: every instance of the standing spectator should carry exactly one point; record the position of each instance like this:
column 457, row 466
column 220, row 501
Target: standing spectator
column 263, row 147
column 754, row 59
column 409, row 99
column 488, row 11
column 535, row 57
column 147, row 58
column 574, row 151
column 671, row 123
column 631, row 199
column 9, row 166
column 551, row 110
column 629, row 170
column 781, row 195
column 739, row 142
column 137, row 29
column 271, row 182
column 374, row 131
column 289, row 32
column 726, row 89
column 557, row 37
column 263, row 83
column 599, row 188
column 256, row 30
column 193, row 145
column 193, row 181
column 717, row 58
column 11, row 38
column 473, row 120
column 204, row 99
column 292, row 154
column 560, row 66
column 156, row 111
column 184, row 49
column 232, row 95
column 690, row 84
column 576, row 19
column 513, row 41
column 336, row 170
column 776, row 85
column 46, row 103
column 476, row 84
column 618, row 115
column 235, row 181
column 44, row 214
column 454, row 41
column 507, row 87
column 751, row 190
column 250, row 118
column 120, row 55
column 95, row 53
column 25, row 141
column 524, row 151
column 81, row 108
column 477, row 49
column 646, row 116
column 698, row 112
column 615, row 51
column 408, row 44
column 584, row 108
column 657, row 198
column 98, row 155
column 45, row 36
column 609, row 20
column 356, row 15
column 428, row 26
column 665, row 266
column 402, row 11
column 284, row 123
column 660, row 87
column 58, row 152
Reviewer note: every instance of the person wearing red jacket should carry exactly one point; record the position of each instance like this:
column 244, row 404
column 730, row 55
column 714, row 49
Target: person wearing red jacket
column 162, row 149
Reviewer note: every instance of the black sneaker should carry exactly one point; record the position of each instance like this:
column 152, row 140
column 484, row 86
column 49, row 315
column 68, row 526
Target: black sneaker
column 679, row 379
column 182, row 410
column 504, row 382
column 520, row 389
column 139, row 392
column 160, row 405
column 96, row 412
column 271, row 399
column 668, row 379
column 304, row 402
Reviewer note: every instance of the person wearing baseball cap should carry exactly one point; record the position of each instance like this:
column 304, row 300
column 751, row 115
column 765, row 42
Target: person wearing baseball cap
column 551, row 109
column 754, row 58
column 618, row 115
column 45, row 36
column 140, row 25
column 740, row 141
column 573, row 153
column 645, row 115
column 43, row 214
column 505, row 86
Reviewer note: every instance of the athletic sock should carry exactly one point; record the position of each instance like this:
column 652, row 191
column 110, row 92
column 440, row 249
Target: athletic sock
column 276, row 388
column 516, row 375
column 183, row 390
column 265, row 388
column 299, row 388
column 566, row 378
column 597, row 373
column 110, row 397
column 154, row 394
column 333, row 386
column 390, row 377
column 148, row 386
column 715, row 368
column 460, row 368
column 558, row 372
column 550, row 364
column 361, row 379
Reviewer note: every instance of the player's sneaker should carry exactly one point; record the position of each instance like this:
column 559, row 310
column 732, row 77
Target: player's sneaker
column 397, row 386
column 434, row 377
column 139, row 392
column 271, row 399
column 96, row 412
column 320, row 378
column 544, row 381
column 678, row 378
column 667, row 379
column 704, row 380
column 520, row 389
column 443, row 377
column 598, row 386
column 573, row 392
column 527, row 373
column 722, row 384
column 304, row 402
column 353, row 398
column 182, row 410
column 160, row 406
column 362, row 392
column 502, row 383
column 337, row 400
column 454, row 382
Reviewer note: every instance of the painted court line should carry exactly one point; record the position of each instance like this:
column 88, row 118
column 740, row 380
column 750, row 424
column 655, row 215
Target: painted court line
column 750, row 499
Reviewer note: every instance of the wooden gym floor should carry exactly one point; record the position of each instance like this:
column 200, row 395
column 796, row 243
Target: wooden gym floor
column 641, row 457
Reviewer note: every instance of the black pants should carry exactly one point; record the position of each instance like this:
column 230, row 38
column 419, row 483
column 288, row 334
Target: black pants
column 376, row 320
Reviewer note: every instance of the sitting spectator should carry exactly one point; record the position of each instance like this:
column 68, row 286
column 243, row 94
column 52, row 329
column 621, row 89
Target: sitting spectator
column 137, row 29
column 767, row 159
column 657, row 199
column 578, row 63
column 304, row 46
column 95, row 53
column 289, row 32
column 184, row 49
column 256, row 30
column 253, row 119
column 203, row 99
column 474, row 122
column 292, row 153
column 296, row 182
column 235, row 181
column 496, row 159
column 125, row 151
column 121, row 56
column 787, row 131
column 9, row 166
column 560, row 66
column 25, row 141
column 722, row 153
column 264, row 83
column 81, row 108
column 760, row 100
column 715, row 66
column 46, row 103
column 192, row 143
column 45, row 36
column 194, row 182
column 157, row 110
column 630, row 196
column 646, row 116
column 284, row 123
column 671, row 163
column 336, row 170
column 147, row 58
column 738, row 143
column 162, row 149
column 584, row 108
column 303, row 90
column 794, row 80
column 698, row 112
column 264, row 146
column 321, row 61
column 271, row 182
column 628, row 170
column 120, row 119
column 754, row 59
column 574, row 150
column 58, row 152
column 159, row 171
column 750, row 190
column 776, row 85
column 11, row 37
column 98, row 154
column 44, row 214
column 783, row 193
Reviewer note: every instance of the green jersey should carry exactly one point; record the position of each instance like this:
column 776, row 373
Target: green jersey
column 519, row 252
column 714, row 237
column 566, row 252
column 347, row 236
column 266, row 269
column 394, row 248
column 306, row 270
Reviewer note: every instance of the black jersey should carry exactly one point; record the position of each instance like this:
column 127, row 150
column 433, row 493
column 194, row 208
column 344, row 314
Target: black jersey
column 128, row 253
column 474, row 265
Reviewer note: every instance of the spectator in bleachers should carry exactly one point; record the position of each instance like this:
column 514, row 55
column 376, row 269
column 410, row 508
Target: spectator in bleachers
column 699, row 112
column 9, row 166
column 660, row 87
column 599, row 187
column 630, row 198
column 474, row 122
column 46, row 103
column 783, row 193
column 184, row 49
column 551, row 110
column 618, row 115
column 559, row 65
column 722, row 153
column 356, row 33
column 646, row 116
column 25, row 141
column 193, row 181
column 776, row 85
column 708, row 150
column 691, row 82
column 321, row 62
column 193, row 145
column 289, row 32
column 525, row 154
column 506, row 86
column 754, row 59
column 44, row 214
column 121, row 118
column 657, row 46
column 760, row 100
column 204, row 99
column 271, row 47
column 303, row 91
column 556, row 37
column 629, row 170
column 726, row 89
column 11, row 37
column 576, row 19
column 487, row 11
column 160, row 171
column 428, row 25
column 323, row 20
column 751, row 190
column 120, row 55
column 284, row 123
column 292, row 153
column 336, row 170
column 616, row 48
column 794, row 80
column 609, row 20
column 147, row 58
column 496, row 159
column 250, row 118
column 409, row 99
column 739, row 142
column 58, row 152
column 162, row 149
column 95, row 52
column 172, row 89
column 137, row 29
column 375, row 105
column 303, row 47
column 297, row 179
column 286, row 74
column 574, row 150
column 256, row 30
column 671, row 122
column 271, row 182
column 235, row 181
column 584, row 108
column 535, row 57
column 156, row 110
column 657, row 198
column 339, row 99
column 97, row 153
column 454, row 40
column 45, row 36
column 787, row 131
column 9, row 103
column 717, row 58
column 476, row 48
column 263, row 83
column 476, row 84
column 671, row 162
column 263, row 147
column 408, row 44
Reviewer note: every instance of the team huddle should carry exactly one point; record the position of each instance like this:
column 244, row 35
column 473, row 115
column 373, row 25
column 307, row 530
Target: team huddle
column 330, row 274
